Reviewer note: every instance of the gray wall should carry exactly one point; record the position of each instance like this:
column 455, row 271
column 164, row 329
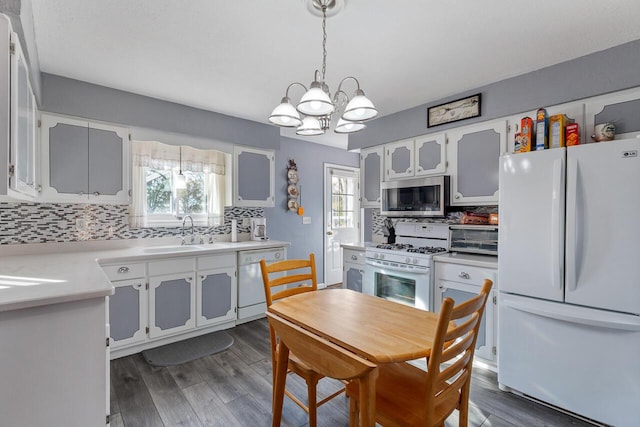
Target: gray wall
column 76, row 98
column 595, row 74
column 284, row 225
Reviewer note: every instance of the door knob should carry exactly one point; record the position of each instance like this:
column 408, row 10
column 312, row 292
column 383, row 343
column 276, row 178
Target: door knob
column 329, row 233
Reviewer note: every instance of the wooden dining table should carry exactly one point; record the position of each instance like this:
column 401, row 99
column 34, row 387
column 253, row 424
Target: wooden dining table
column 373, row 328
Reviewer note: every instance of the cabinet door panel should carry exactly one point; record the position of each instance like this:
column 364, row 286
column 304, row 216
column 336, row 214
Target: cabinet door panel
column 353, row 277
column 105, row 162
column 622, row 108
column 476, row 154
column 127, row 312
column 69, row 158
column 486, row 334
column 254, row 174
column 371, row 174
column 430, row 155
column 172, row 304
column 399, row 159
column 216, row 296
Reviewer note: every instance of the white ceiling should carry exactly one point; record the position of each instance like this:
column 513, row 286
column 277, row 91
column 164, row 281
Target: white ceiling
column 237, row 57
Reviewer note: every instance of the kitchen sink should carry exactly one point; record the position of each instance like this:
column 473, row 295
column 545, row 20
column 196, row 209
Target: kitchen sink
column 175, row 248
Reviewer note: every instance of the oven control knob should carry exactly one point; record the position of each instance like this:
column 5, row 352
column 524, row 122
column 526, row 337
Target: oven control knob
column 381, row 256
column 375, row 256
column 415, row 260
column 408, row 260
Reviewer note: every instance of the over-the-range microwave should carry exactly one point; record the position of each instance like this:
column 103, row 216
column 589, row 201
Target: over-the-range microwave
column 417, row 197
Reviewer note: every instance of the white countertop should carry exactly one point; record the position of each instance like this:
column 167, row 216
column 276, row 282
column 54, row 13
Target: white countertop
column 50, row 273
column 486, row 261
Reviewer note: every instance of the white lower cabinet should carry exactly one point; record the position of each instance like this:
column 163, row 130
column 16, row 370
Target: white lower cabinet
column 353, row 269
column 166, row 300
column 216, row 289
column 461, row 282
column 128, row 312
column 172, row 304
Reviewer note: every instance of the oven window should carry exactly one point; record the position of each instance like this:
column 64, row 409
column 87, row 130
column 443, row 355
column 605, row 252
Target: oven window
column 395, row 288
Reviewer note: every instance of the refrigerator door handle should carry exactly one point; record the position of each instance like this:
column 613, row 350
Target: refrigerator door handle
column 557, row 218
column 572, row 224
column 605, row 320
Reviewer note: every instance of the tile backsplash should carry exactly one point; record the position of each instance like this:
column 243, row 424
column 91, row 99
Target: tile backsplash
column 68, row 222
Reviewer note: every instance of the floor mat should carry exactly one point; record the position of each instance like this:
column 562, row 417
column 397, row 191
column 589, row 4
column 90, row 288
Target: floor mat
column 188, row 350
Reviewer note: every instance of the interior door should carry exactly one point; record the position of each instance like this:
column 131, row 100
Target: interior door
column 342, row 217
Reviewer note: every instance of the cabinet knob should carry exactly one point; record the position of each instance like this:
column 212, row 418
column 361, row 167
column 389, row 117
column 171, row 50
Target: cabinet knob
column 277, row 255
column 354, row 257
column 96, row 193
column 189, row 279
column 137, row 286
column 463, row 275
column 123, row 270
column 81, row 193
column 457, row 196
column 202, row 277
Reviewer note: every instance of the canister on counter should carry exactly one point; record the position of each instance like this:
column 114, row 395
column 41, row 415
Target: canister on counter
column 542, row 129
column 557, row 124
column 572, row 136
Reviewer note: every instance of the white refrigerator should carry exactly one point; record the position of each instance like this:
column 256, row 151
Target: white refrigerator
column 569, row 278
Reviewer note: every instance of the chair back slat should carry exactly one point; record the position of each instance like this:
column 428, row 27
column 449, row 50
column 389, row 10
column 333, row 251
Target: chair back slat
column 291, row 265
column 455, row 347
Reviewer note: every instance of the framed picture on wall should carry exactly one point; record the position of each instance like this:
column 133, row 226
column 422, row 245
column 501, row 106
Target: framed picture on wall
column 453, row 111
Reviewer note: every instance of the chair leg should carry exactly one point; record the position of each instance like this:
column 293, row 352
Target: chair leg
column 312, row 386
column 354, row 412
column 279, row 385
column 463, row 407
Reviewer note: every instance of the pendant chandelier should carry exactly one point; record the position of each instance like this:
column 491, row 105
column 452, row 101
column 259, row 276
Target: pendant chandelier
column 314, row 112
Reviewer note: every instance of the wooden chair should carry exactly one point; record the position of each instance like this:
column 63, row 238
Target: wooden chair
column 326, row 358
column 299, row 270
column 409, row 396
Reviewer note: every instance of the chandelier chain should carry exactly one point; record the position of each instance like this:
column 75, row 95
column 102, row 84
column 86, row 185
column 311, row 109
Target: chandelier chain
column 324, row 40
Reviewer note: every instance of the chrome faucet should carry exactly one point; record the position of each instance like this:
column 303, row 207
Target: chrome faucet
column 192, row 240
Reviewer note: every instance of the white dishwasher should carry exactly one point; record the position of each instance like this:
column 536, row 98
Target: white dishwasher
column 251, row 300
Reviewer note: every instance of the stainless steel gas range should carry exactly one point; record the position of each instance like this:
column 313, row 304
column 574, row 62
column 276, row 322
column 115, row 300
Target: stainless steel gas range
column 403, row 271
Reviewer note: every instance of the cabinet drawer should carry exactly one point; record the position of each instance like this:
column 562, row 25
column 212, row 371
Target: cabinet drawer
column 465, row 273
column 353, row 256
column 171, row 266
column 216, row 261
column 125, row 270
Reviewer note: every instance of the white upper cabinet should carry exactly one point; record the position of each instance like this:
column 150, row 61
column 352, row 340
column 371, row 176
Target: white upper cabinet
column 371, row 174
column 84, row 161
column 253, row 177
column 421, row 156
column 399, row 159
column 19, row 148
column 24, row 147
column 621, row 108
column 430, row 155
column 474, row 153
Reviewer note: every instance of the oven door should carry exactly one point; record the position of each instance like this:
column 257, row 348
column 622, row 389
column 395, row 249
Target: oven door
column 402, row 283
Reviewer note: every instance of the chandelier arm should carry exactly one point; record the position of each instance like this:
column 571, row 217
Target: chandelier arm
column 345, row 79
column 294, row 84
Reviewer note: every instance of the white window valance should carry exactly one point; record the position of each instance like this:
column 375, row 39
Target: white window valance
column 157, row 155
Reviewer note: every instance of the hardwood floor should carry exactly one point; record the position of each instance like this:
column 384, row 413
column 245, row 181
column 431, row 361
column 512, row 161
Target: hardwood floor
column 233, row 388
